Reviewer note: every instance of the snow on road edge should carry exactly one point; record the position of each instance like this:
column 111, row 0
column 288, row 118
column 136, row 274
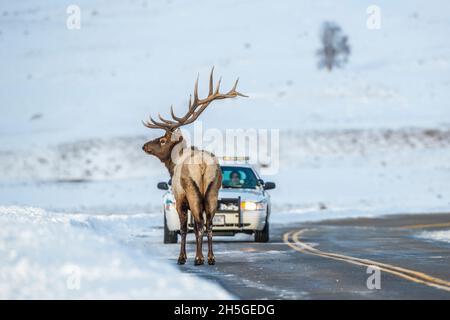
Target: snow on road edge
column 441, row 235
column 48, row 255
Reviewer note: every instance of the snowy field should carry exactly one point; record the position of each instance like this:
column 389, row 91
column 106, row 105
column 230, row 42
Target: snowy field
column 436, row 235
column 79, row 209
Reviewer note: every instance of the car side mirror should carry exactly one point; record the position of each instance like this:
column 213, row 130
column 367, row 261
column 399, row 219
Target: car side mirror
column 163, row 186
column 269, row 185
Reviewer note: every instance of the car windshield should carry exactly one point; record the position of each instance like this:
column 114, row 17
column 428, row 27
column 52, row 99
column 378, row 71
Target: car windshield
column 238, row 177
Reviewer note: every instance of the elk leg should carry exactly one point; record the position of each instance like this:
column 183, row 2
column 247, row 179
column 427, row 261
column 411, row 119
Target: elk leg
column 209, row 225
column 198, row 229
column 182, row 214
column 195, row 202
column 210, row 208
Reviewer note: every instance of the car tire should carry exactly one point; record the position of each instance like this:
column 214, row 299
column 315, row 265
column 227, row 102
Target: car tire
column 169, row 236
column 263, row 235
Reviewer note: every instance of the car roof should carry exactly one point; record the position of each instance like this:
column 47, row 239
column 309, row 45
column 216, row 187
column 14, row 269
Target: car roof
column 233, row 164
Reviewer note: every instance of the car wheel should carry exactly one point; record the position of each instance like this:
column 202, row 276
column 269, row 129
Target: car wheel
column 263, row 235
column 169, row 236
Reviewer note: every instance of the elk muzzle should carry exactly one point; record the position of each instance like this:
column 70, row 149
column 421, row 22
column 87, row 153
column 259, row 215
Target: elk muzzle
column 147, row 149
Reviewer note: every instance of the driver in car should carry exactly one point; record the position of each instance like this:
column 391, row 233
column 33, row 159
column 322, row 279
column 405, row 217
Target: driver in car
column 235, row 179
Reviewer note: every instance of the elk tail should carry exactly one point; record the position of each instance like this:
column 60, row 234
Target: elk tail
column 198, row 193
column 196, row 188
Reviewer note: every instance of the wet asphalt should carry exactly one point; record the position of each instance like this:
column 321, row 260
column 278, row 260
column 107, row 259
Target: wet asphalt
column 273, row 270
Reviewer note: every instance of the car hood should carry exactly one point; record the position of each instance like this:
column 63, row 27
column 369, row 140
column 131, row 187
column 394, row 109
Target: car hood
column 245, row 194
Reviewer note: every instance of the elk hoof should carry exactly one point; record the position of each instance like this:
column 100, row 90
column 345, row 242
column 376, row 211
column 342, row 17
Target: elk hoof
column 199, row 261
column 211, row 261
column 181, row 260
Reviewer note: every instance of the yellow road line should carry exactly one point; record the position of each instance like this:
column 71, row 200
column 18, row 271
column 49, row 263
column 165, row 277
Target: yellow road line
column 424, row 226
column 408, row 274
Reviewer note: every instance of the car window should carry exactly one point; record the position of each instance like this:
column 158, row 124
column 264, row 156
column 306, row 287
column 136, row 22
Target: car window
column 238, row 177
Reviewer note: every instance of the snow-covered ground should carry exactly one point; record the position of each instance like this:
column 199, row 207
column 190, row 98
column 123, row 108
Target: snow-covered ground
column 436, row 235
column 49, row 255
column 77, row 193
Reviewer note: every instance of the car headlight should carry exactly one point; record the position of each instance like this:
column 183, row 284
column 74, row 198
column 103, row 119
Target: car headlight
column 252, row 205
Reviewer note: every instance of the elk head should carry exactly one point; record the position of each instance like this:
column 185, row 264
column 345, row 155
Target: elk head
column 162, row 147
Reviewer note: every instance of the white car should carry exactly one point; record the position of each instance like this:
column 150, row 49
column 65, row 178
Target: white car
column 243, row 206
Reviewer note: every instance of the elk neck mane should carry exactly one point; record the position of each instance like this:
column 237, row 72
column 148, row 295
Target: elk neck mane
column 183, row 151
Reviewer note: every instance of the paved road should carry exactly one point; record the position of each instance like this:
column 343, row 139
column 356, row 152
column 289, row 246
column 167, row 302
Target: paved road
column 329, row 260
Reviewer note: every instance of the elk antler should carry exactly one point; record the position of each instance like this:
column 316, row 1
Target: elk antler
column 196, row 106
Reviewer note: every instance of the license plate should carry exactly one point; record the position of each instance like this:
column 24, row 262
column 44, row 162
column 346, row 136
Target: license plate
column 219, row 220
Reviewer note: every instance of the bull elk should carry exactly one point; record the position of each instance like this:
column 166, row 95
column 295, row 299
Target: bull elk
column 196, row 174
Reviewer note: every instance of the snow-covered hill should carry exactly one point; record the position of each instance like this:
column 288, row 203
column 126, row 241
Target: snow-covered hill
column 367, row 139
column 131, row 58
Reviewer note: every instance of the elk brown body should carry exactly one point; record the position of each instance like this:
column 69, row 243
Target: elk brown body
column 196, row 174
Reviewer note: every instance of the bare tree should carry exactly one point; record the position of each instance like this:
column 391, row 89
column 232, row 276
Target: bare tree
column 335, row 48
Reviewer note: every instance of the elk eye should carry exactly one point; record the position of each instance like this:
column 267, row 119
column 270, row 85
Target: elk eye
column 163, row 141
